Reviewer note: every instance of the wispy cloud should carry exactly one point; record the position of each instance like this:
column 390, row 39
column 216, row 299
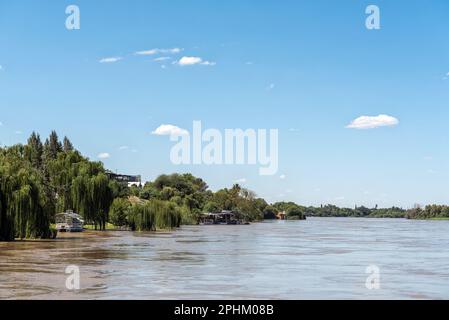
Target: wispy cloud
column 1, row 123
column 161, row 59
column 1, row 67
column 18, row 132
column 169, row 130
column 241, row 180
column 104, row 155
column 282, row 177
column 191, row 61
column 372, row 122
column 123, row 148
column 110, row 59
column 158, row 51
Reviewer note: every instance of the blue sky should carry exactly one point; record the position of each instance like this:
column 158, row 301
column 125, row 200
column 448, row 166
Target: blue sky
column 307, row 68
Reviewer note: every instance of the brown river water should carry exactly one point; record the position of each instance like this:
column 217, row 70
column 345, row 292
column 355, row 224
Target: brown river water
column 319, row 258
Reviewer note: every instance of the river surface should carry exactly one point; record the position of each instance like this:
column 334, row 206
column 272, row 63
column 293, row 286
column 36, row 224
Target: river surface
column 323, row 258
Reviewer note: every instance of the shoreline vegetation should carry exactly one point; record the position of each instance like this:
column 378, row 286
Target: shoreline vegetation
column 38, row 180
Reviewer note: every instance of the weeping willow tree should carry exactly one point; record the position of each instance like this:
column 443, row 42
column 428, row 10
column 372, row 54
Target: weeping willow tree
column 36, row 181
column 168, row 215
column 92, row 197
column 31, row 218
column 24, row 210
column 154, row 215
column 6, row 215
column 141, row 218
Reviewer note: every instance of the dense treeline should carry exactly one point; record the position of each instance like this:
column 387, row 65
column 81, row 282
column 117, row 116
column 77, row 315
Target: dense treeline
column 429, row 212
column 190, row 196
column 362, row 212
column 39, row 179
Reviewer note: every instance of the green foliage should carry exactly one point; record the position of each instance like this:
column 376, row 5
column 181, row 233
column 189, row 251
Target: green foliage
column 24, row 210
column 213, row 207
column 92, row 197
column 67, row 146
column 269, row 213
column 291, row 209
column 429, row 212
column 38, row 180
column 118, row 212
column 334, row 211
column 154, row 215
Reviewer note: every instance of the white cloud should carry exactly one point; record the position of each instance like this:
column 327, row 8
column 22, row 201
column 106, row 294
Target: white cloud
column 372, row 122
column 282, row 176
column 157, row 51
column 241, row 180
column 104, row 155
column 123, row 148
column 161, row 59
column 18, row 132
column 271, row 86
column 190, row 61
column 169, row 130
column 110, row 60
column 1, row 123
column 208, row 63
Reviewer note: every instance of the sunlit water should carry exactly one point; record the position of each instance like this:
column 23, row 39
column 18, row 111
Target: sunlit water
column 318, row 258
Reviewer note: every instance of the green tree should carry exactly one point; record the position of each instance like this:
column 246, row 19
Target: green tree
column 118, row 212
column 67, row 145
column 34, row 150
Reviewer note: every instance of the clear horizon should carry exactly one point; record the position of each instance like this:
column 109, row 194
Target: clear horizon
column 361, row 113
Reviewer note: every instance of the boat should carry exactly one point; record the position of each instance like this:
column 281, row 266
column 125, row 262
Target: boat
column 222, row 218
column 69, row 221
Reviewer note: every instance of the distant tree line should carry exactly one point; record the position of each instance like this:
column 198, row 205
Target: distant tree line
column 429, row 212
column 361, row 212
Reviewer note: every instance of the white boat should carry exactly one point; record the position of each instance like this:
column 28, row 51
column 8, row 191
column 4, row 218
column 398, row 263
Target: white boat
column 69, row 222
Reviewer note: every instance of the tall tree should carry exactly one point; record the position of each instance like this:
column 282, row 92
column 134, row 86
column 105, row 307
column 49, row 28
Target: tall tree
column 67, row 145
column 35, row 150
column 52, row 146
